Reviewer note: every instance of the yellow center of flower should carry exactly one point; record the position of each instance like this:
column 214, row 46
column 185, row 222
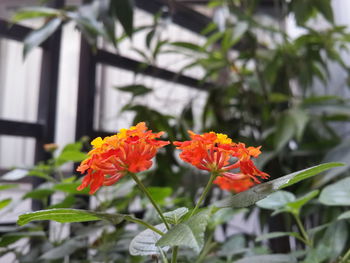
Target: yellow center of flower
column 97, row 142
column 222, row 139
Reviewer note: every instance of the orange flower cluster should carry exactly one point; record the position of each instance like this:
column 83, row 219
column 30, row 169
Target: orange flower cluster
column 217, row 153
column 113, row 157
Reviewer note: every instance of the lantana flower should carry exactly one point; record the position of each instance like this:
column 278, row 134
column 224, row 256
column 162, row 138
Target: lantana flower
column 216, row 153
column 130, row 150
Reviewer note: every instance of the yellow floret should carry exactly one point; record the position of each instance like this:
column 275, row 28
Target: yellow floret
column 97, row 142
column 222, row 139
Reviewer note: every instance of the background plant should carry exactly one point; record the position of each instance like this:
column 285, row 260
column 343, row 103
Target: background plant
column 262, row 92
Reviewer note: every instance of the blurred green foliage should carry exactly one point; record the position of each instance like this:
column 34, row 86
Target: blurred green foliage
column 266, row 88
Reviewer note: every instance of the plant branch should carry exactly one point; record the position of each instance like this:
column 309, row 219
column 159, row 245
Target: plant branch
column 147, row 193
column 306, row 237
column 205, row 192
column 143, row 223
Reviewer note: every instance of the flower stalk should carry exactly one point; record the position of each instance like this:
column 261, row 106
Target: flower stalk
column 147, row 193
column 205, row 192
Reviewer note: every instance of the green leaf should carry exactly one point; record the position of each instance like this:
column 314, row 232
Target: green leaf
column 159, row 194
column 65, row 249
column 234, row 245
column 174, row 217
column 70, row 188
column 337, row 194
column 261, row 191
column 70, row 156
column 69, row 216
column 294, row 207
column 7, row 186
column 300, row 118
column 325, row 8
column 276, row 200
column 188, row 45
column 285, row 131
column 276, row 235
column 273, row 258
column 36, row 37
column 10, row 238
column 15, row 174
column 189, row 233
column 331, row 245
column 345, row 215
column 224, row 215
column 135, row 90
column 123, row 9
column 34, row 12
column 67, row 202
column 144, row 243
column 340, row 153
column 38, row 194
column 5, row 202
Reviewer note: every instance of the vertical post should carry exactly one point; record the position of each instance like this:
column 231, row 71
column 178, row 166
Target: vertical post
column 48, row 96
column 86, row 91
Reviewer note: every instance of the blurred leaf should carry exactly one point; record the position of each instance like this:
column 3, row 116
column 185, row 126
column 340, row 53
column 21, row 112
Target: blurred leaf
column 38, row 36
column 70, row 188
column 38, row 193
column 15, row 174
column 34, row 12
column 174, row 217
column 223, row 215
column 67, row 202
column 69, row 216
column 149, row 37
column 301, row 119
column 8, row 186
column 234, row 245
column 238, row 31
column 5, row 202
column 302, row 11
column 325, row 8
column 331, row 245
column 144, row 243
column 336, row 194
column 136, row 89
column 277, row 235
column 188, row 45
column 285, row 130
column 345, row 215
column 67, row 248
column 70, row 156
column 10, row 238
column 123, row 9
column 160, row 193
column 261, row 191
column 276, row 200
column 340, row 153
column 189, row 233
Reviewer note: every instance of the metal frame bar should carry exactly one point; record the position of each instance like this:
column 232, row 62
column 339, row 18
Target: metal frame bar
column 118, row 61
column 44, row 130
column 179, row 13
column 16, row 128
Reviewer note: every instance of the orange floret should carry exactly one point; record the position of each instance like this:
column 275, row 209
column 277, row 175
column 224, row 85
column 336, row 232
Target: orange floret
column 130, row 150
column 216, row 153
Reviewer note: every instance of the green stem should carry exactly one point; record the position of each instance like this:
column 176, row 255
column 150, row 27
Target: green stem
column 303, row 231
column 346, row 256
column 141, row 222
column 174, row 255
column 145, row 191
column 205, row 192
